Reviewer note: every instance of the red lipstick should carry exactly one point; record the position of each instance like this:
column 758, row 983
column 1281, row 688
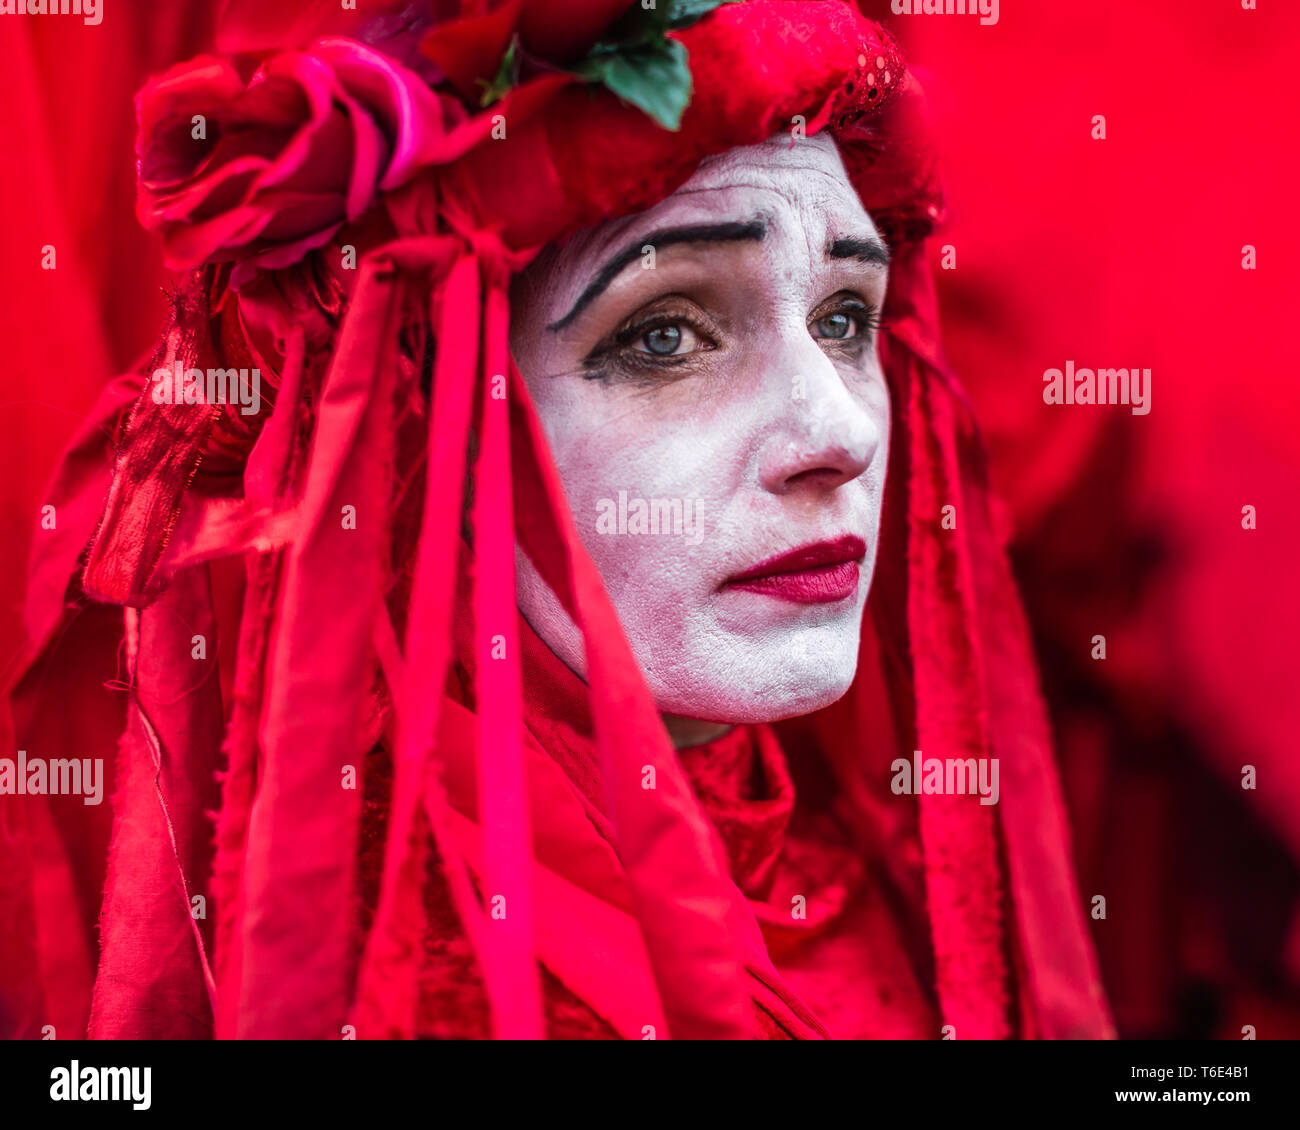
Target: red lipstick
column 820, row 573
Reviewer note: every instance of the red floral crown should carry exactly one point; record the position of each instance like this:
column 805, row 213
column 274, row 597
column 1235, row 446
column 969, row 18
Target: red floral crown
column 534, row 118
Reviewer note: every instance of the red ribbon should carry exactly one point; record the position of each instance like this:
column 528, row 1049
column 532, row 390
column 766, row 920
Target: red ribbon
column 696, row 927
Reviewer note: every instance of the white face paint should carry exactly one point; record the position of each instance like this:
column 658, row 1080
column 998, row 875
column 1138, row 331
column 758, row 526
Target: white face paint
column 725, row 391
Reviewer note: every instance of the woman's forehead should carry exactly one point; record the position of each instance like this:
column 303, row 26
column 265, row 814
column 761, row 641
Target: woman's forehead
column 781, row 157
column 796, row 189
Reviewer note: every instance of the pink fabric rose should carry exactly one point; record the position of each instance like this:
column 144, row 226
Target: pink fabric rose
column 265, row 162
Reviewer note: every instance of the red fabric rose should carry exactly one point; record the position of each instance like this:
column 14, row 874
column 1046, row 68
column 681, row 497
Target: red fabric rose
column 559, row 32
column 268, row 166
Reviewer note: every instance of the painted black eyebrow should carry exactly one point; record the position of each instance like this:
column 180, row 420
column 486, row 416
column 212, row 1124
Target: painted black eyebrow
column 699, row 233
column 867, row 250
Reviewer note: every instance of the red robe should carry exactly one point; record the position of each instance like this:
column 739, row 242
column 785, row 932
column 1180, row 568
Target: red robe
column 844, row 923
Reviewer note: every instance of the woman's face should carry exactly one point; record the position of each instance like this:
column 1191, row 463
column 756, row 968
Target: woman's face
column 707, row 375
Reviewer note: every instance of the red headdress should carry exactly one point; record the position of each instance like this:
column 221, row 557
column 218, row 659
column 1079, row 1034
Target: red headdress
column 354, row 192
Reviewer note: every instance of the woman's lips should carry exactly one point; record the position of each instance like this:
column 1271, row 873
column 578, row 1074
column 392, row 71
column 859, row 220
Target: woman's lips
column 820, row 573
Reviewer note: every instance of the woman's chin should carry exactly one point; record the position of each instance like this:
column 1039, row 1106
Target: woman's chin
column 775, row 701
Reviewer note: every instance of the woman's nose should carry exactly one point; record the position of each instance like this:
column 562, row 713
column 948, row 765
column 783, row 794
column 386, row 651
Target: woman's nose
column 825, row 436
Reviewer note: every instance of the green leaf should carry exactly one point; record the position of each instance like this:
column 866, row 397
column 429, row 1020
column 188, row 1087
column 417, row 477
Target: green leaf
column 638, row 26
column 506, row 76
column 683, row 13
column 655, row 78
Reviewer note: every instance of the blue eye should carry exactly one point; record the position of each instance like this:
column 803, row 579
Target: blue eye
column 669, row 339
column 838, row 326
column 849, row 320
column 661, row 343
column 663, row 340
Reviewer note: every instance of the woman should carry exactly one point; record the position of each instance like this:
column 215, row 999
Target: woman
column 610, row 540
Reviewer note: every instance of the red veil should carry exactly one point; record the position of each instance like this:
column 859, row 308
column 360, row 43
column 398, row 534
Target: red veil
column 346, row 643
